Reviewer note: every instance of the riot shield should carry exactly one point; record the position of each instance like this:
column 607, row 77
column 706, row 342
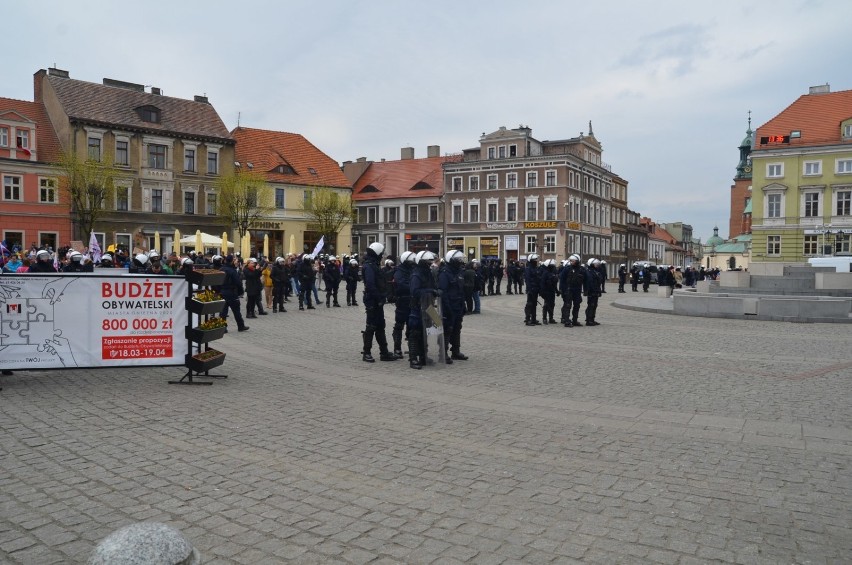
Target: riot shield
column 433, row 330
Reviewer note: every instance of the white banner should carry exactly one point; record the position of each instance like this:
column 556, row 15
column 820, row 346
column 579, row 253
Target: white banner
column 94, row 320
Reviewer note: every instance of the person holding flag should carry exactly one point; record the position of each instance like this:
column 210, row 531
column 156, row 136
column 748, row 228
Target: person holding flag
column 94, row 249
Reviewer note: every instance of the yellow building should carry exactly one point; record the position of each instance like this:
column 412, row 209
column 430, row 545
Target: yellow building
column 802, row 179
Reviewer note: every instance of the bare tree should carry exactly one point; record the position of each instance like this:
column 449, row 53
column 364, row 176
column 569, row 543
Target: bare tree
column 329, row 210
column 243, row 198
column 89, row 187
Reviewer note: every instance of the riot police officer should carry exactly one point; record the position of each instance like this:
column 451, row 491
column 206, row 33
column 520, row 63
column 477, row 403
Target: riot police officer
column 593, row 290
column 571, row 282
column 532, row 278
column 548, row 290
column 451, row 285
column 422, row 284
column 402, row 286
column 375, row 295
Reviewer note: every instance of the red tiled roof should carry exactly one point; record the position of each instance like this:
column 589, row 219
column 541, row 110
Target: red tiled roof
column 267, row 150
column 113, row 106
column 47, row 148
column 397, row 179
column 817, row 116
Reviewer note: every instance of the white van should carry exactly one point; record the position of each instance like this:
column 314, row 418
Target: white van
column 841, row 264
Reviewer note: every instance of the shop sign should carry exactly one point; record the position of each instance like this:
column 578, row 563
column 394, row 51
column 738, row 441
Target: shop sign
column 539, row 225
column 503, row 226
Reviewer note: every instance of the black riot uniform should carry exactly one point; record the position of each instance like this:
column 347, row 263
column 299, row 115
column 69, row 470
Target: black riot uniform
column 548, row 290
column 532, row 278
column 451, row 285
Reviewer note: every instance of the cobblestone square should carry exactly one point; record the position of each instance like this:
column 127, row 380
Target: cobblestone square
column 651, row 438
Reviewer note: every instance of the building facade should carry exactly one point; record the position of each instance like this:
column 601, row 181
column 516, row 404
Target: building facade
column 168, row 154
column 400, row 203
column 637, row 238
column 802, row 179
column 32, row 210
column 514, row 195
column 293, row 168
column 740, row 220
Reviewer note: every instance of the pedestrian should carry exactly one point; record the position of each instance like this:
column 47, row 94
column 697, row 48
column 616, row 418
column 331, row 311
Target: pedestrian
column 352, row 277
column 331, row 278
column 422, row 287
column 532, row 278
column 622, row 277
column 478, row 286
column 548, row 289
column 375, row 295
column 280, row 279
column 254, row 288
column 592, row 291
column 572, row 279
column 402, row 288
column 231, row 289
column 266, row 275
column 469, row 285
column 451, row 287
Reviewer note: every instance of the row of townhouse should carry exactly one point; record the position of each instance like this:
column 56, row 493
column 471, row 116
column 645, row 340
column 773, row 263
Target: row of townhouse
column 510, row 196
column 168, row 155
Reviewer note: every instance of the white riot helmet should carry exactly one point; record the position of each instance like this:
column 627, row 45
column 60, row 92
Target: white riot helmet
column 330, row 258
column 187, row 261
column 141, row 258
column 43, row 255
column 549, row 263
column 574, row 257
column 75, row 256
column 425, row 256
column 218, row 258
column 153, row 254
column 353, row 262
column 454, row 255
column 532, row 257
column 590, row 261
column 407, row 257
column 388, row 263
column 376, row 248
column 565, row 262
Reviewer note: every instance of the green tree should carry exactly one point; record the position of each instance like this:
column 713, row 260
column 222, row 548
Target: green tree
column 329, row 210
column 89, row 187
column 243, row 198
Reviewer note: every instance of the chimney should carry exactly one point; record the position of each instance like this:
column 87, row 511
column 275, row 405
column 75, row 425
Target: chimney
column 38, row 77
column 54, row 72
column 361, row 159
column 156, row 91
column 821, row 89
column 202, row 99
column 124, row 84
column 433, row 151
column 407, row 153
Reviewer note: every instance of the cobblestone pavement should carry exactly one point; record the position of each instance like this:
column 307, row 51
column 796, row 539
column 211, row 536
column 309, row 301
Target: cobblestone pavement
column 650, row 438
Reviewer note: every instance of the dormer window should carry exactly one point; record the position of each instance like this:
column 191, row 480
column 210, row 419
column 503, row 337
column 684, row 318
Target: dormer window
column 284, row 170
column 149, row 114
column 312, row 170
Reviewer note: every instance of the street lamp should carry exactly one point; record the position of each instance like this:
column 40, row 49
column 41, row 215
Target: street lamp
column 243, row 228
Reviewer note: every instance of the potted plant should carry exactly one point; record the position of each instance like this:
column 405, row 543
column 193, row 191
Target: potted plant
column 208, row 330
column 204, row 361
column 206, row 277
column 205, row 302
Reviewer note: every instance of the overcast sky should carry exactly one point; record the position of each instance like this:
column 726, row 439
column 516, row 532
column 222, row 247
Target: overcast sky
column 667, row 85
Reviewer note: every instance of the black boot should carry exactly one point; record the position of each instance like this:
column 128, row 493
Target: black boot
column 544, row 316
column 368, row 344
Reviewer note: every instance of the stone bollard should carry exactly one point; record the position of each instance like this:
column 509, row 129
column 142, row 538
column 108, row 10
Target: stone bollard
column 664, row 291
column 145, row 543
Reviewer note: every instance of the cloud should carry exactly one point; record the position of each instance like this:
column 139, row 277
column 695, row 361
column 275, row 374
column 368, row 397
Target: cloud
column 669, row 53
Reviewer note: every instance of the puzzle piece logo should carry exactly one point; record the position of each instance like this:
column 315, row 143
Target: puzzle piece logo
column 15, row 311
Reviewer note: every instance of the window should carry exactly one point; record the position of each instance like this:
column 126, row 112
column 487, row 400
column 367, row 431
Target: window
column 412, row 214
column 212, row 161
column 511, row 211
column 14, row 238
column 529, row 245
column 189, row 160
column 122, row 198
column 4, row 137
column 775, row 170
column 150, row 114
column 550, row 209
column 279, row 198
column 156, row 200
column 532, row 210
column 847, row 130
column 372, row 215
column 157, row 156
column 211, row 203
column 813, row 168
column 491, row 152
column 512, row 180
column 492, row 211
column 844, row 166
column 811, row 204
column 841, row 244
column 473, row 183
column 95, row 148
column 251, row 197
column 48, row 239
column 122, row 240
column 392, row 215
column 550, row 178
column 433, row 213
column 122, row 153
column 22, row 138
column 810, row 247
column 773, row 245
column 501, row 151
column 532, row 179
column 457, row 213
column 457, row 184
column 513, row 151
column 492, row 182
column 189, row 202
column 550, row 244
column 844, row 199
column 11, row 188
column 473, row 213
column 47, row 191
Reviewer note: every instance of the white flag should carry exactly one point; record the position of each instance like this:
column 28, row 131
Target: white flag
column 94, row 249
column 319, row 246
